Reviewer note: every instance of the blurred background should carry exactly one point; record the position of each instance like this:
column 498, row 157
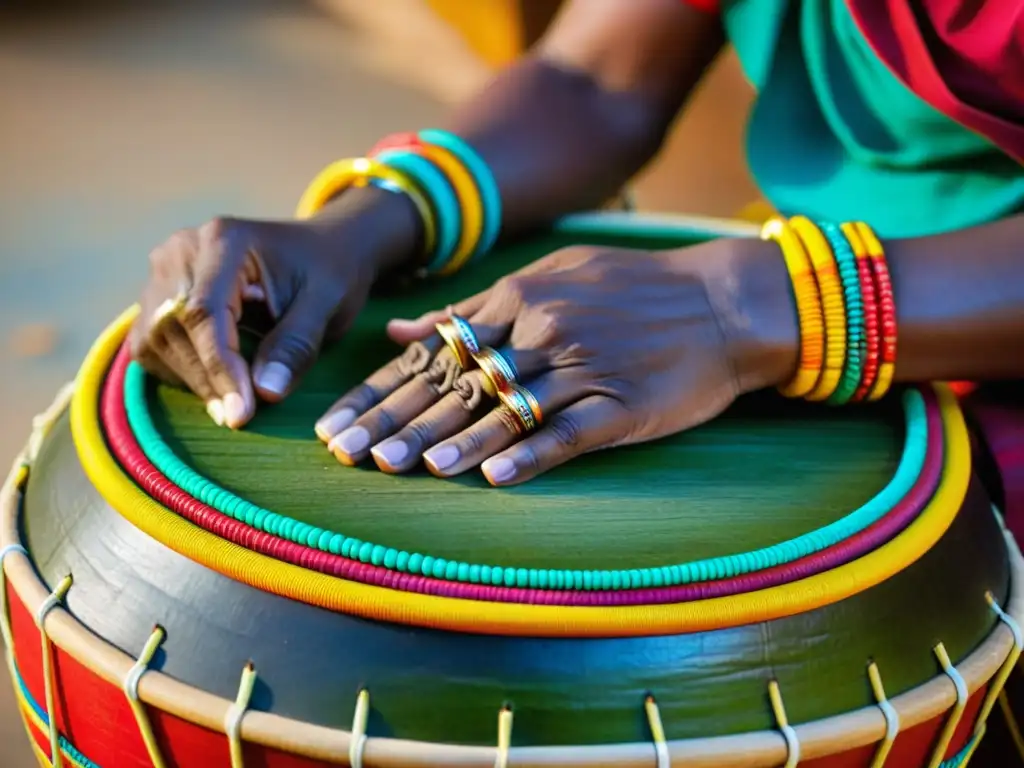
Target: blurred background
column 124, row 121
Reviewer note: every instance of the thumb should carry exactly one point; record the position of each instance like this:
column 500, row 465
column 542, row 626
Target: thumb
column 405, row 332
column 289, row 350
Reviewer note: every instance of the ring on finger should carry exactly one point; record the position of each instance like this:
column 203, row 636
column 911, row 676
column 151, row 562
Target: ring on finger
column 460, row 338
column 523, row 405
column 170, row 309
column 498, row 370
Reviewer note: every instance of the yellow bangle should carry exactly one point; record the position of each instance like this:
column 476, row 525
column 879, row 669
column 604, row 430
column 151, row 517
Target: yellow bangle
column 342, row 174
column 470, row 202
column 808, row 306
column 833, row 305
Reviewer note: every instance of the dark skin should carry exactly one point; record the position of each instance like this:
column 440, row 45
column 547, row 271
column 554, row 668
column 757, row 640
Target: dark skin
column 619, row 347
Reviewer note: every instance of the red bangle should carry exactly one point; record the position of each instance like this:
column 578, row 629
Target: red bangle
column 886, row 310
column 404, row 140
column 872, row 341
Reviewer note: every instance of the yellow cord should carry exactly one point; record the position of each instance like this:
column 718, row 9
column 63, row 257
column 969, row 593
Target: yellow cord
column 235, row 713
column 382, row 604
column 788, row 732
column 892, row 718
column 504, row 737
column 939, row 753
column 131, row 691
column 54, row 600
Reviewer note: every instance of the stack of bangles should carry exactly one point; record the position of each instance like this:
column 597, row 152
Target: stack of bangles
column 845, row 306
column 450, row 185
column 519, row 408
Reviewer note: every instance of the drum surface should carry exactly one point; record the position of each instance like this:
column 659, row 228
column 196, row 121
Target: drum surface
column 720, row 515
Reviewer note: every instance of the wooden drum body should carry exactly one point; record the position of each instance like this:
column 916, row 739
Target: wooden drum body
column 788, row 585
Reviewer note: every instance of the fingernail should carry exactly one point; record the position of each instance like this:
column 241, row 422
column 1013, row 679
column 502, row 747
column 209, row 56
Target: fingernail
column 391, row 452
column 216, row 410
column 234, row 409
column 499, row 469
column 352, row 440
column 442, row 457
column 333, row 423
column 274, row 378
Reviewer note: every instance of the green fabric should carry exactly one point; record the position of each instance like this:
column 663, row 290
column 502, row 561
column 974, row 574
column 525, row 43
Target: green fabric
column 768, row 471
column 835, row 135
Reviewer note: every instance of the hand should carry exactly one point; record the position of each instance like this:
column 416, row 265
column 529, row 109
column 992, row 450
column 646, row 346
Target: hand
column 313, row 276
column 617, row 346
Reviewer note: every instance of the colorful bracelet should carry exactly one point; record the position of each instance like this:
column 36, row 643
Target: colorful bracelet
column 846, row 263
column 470, row 201
column 343, row 174
column 872, row 321
column 441, row 195
column 486, row 184
column 830, row 290
column 808, row 306
column 886, row 309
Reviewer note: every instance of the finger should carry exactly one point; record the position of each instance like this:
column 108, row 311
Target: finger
column 173, row 346
column 215, row 340
column 144, row 355
column 381, row 383
column 497, row 430
column 407, row 331
column 209, row 316
column 396, row 410
column 587, row 425
column 288, row 351
column 455, row 411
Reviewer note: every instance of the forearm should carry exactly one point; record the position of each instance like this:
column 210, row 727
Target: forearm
column 564, row 128
column 960, row 303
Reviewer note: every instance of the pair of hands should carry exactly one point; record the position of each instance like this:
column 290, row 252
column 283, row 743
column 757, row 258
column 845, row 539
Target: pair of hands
column 618, row 346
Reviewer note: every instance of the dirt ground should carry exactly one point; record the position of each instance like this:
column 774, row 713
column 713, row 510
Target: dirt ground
column 123, row 122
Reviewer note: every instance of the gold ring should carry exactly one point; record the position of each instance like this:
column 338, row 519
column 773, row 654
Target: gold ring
column 498, row 369
column 460, row 338
column 170, row 308
column 523, row 404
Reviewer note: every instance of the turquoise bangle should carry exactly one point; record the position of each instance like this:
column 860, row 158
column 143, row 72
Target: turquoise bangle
column 490, row 195
column 178, row 472
column 442, row 196
column 856, row 332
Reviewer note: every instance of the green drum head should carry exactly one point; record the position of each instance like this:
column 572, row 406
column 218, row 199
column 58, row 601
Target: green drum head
column 768, row 471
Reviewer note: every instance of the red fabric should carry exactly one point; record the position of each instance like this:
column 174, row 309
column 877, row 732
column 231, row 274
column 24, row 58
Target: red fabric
column 963, row 57
column 1001, row 423
column 708, row 6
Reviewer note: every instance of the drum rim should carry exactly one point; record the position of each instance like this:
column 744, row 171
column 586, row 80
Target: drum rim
column 818, row 738
column 380, row 603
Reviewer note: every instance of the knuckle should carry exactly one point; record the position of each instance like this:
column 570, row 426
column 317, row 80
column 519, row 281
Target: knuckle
column 294, row 348
column 217, row 228
column 383, row 421
column 527, row 458
column 566, row 430
column 472, row 442
column 420, row 434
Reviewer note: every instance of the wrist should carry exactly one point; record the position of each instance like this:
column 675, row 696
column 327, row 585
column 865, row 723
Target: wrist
column 377, row 225
column 753, row 299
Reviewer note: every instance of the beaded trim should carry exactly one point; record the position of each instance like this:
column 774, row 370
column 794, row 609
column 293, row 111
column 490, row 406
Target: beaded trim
column 417, row 564
column 148, row 477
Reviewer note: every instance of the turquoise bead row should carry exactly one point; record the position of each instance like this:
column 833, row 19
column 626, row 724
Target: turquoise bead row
column 856, row 331
column 160, row 454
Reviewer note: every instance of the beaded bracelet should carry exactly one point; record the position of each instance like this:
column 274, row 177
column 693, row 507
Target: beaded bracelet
column 886, row 309
column 847, row 265
column 343, row 174
column 470, row 200
column 830, row 291
column 487, row 185
column 439, row 192
column 872, row 321
column 808, row 306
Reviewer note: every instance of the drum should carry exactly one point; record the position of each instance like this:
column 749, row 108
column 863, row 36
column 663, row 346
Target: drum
column 787, row 585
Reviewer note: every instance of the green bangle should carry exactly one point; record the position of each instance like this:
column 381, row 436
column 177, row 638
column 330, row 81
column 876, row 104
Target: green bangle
column 856, row 333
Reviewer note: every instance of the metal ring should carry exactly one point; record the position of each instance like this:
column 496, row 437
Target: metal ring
column 453, row 340
column 168, row 310
column 523, row 404
column 498, row 369
column 466, row 333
